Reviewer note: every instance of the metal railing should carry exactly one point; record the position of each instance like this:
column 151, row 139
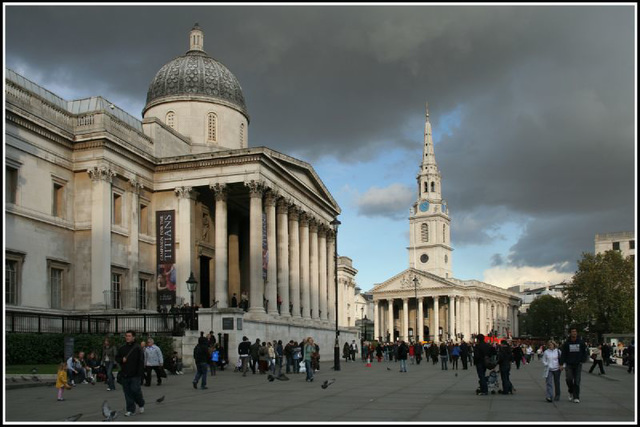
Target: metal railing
column 103, row 323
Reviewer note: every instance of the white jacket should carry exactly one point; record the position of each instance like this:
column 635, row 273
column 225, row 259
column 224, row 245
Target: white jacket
column 551, row 361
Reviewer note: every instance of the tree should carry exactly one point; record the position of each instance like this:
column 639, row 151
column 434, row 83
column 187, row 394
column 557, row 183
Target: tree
column 546, row 317
column 601, row 297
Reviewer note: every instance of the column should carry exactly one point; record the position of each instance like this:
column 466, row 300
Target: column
column 294, row 260
column 405, row 319
column 221, row 261
column 466, row 330
column 390, row 319
column 256, row 293
column 304, row 266
column 451, row 316
column 516, row 324
column 101, row 177
column 376, row 320
column 458, row 316
column 421, row 319
column 314, row 270
column 474, row 318
column 322, row 254
column 184, row 234
column 271, row 288
column 283, row 256
column 436, row 317
column 134, row 238
column 331, row 278
column 483, row 313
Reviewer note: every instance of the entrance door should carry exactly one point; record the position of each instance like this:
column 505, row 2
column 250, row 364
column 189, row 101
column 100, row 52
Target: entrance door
column 205, row 294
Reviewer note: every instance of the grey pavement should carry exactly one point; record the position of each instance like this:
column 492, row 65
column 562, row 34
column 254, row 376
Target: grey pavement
column 380, row 393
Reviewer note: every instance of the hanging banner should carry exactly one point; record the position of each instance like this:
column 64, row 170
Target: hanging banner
column 265, row 249
column 166, row 279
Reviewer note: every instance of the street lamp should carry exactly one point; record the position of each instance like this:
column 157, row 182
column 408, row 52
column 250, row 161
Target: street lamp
column 192, row 284
column 415, row 283
column 336, row 349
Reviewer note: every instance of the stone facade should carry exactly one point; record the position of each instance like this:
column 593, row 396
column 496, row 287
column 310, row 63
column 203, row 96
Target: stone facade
column 86, row 179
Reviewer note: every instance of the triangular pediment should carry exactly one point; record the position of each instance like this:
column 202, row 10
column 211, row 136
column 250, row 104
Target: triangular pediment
column 404, row 281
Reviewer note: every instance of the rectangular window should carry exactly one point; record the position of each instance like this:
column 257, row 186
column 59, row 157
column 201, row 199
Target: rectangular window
column 56, row 280
column 11, row 184
column 116, row 214
column 632, row 244
column 116, row 288
column 143, row 220
column 616, row 246
column 11, row 282
column 142, row 295
column 58, row 200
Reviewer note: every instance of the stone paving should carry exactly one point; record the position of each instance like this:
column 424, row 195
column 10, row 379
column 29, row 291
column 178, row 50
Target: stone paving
column 378, row 394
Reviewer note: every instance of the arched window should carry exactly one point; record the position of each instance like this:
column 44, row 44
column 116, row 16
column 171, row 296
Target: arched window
column 212, row 124
column 444, row 233
column 425, row 232
column 171, row 119
column 433, row 186
column 242, row 135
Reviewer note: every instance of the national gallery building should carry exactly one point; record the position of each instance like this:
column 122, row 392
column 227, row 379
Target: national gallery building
column 107, row 212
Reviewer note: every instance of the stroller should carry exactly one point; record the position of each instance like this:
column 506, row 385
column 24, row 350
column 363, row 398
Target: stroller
column 493, row 383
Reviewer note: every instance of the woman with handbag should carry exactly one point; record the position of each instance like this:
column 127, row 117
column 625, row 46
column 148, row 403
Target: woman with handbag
column 107, row 361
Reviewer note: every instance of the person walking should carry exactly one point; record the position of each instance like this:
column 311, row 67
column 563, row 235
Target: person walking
column 108, row 360
column 201, row 359
column 444, row 356
column 596, row 356
column 297, row 356
column 244, row 349
column 464, row 354
column 573, row 354
column 418, row 352
column 631, row 357
column 552, row 370
column 403, row 353
column 130, row 357
column 518, row 355
column 153, row 361
column 455, row 355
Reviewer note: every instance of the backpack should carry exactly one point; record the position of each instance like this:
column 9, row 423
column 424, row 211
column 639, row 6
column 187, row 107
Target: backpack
column 490, row 362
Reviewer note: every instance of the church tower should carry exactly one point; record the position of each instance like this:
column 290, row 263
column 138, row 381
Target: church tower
column 430, row 236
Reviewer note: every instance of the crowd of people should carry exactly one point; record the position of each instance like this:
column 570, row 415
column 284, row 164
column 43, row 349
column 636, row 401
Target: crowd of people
column 139, row 360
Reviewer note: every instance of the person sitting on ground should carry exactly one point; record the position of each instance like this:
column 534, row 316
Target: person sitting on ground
column 92, row 365
column 75, row 372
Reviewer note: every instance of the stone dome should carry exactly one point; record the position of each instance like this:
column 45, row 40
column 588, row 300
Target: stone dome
column 195, row 76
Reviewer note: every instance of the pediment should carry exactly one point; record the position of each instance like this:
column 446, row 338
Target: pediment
column 404, row 281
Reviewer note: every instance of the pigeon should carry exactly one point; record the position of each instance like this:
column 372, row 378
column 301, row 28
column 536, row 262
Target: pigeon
column 327, row 383
column 456, row 374
column 160, row 399
column 282, row 377
column 14, row 380
column 109, row 415
column 24, row 378
column 271, row 378
column 388, row 368
column 35, row 371
column 75, row 417
column 35, row 378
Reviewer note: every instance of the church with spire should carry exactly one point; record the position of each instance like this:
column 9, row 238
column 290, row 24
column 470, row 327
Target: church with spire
column 426, row 302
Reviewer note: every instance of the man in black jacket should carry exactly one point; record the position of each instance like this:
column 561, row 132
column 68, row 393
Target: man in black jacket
column 201, row 358
column 130, row 357
column 482, row 349
column 573, row 354
column 243, row 351
column 505, row 356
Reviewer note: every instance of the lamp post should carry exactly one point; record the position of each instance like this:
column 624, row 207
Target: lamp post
column 415, row 283
column 192, row 284
column 336, row 349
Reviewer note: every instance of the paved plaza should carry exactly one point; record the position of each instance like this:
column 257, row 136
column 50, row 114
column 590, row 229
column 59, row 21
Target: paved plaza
column 378, row 394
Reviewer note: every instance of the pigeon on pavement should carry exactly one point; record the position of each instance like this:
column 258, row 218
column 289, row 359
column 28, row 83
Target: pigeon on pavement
column 271, row 378
column 34, row 371
column 14, row 380
column 160, row 399
column 35, row 378
column 327, row 383
column 282, row 377
column 24, row 378
column 109, row 415
column 75, row 417
column 388, row 368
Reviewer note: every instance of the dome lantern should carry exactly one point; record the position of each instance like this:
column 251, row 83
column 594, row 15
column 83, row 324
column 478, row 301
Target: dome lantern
column 196, row 39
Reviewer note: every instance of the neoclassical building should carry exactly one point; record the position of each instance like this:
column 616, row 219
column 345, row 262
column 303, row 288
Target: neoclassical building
column 425, row 301
column 105, row 211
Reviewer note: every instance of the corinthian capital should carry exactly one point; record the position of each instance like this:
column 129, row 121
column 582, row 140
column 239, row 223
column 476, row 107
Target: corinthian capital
column 256, row 188
column 135, row 185
column 183, row 192
column 101, row 173
column 219, row 191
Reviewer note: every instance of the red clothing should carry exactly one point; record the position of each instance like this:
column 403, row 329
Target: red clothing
column 412, row 351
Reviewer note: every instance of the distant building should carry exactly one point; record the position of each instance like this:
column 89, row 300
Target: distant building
column 622, row 241
column 530, row 292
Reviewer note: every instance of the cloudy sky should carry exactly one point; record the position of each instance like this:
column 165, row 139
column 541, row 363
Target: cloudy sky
column 533, row 112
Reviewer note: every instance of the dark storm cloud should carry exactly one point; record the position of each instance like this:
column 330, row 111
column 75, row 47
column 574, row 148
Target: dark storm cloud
column 545, row 95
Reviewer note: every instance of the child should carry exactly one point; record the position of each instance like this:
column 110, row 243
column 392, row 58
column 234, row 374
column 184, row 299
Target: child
column 61, row 381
